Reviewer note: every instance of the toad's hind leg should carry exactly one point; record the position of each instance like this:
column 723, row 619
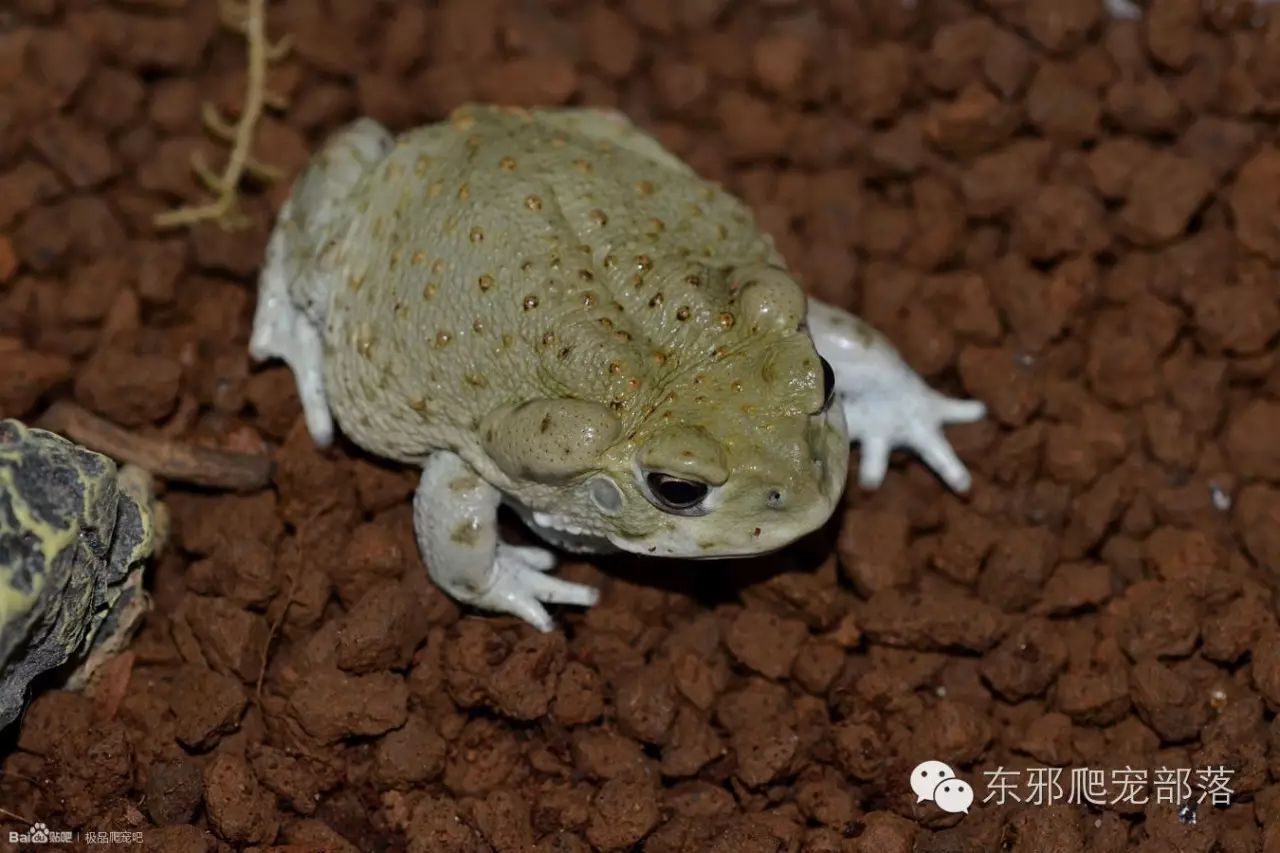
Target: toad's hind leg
column 282, row 330
column 299, row 274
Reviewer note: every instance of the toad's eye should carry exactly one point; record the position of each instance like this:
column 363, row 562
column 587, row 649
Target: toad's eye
column 674, row 494
column 828, row 383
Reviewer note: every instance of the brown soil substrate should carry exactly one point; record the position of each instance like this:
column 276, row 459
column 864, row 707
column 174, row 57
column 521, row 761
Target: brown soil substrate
column 1073, row 219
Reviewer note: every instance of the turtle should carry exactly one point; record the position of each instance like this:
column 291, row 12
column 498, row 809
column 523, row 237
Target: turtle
column 75, row 535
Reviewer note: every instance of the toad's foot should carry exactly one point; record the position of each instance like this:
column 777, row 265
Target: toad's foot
column 883, row 418
column 886, row 404
column 519, row 586
column 1123, row 10
column 455, row 516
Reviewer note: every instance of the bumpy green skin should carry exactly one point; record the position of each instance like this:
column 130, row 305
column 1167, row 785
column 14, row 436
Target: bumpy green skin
column 72, row 543
column 551, row 295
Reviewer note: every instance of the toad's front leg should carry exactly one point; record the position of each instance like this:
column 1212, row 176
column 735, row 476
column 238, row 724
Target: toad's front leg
column 886, row 404
column 455, row 518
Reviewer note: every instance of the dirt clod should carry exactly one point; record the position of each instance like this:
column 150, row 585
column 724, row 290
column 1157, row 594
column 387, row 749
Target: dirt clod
column 238, row 811
column 331, row 705
column 174, row 791
column 207, row 705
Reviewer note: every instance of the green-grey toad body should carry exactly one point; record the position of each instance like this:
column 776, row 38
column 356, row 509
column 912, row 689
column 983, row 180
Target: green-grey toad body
column 73, row 536
column 546, row 308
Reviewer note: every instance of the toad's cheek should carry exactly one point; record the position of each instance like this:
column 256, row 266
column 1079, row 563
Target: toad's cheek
column 745, row 527
column 830, row 443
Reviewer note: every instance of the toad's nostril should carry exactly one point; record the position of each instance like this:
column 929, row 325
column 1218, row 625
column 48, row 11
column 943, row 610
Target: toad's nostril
column 775, row 499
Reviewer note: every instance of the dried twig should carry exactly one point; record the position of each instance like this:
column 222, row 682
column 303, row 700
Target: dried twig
column 298, row 568
column 278, row 624
column 250, row 20
column 172, row 460
column 8, row 813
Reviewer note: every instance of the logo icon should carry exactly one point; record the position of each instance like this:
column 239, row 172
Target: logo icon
column 936, row 781
column 40, row 833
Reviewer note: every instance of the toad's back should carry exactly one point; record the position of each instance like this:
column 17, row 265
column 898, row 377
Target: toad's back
column 508, row 255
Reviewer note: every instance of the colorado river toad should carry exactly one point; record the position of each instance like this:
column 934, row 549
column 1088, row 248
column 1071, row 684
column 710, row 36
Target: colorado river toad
column 547, row 309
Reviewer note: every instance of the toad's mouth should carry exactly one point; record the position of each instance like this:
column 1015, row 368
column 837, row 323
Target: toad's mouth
column 705, row 552
column 740, row 555
column 563, row 533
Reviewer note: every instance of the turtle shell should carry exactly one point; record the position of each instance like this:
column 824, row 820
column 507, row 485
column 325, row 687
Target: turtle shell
column 72, row 541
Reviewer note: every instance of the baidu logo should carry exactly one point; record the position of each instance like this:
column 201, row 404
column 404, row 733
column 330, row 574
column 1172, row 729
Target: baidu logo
column 934, row 780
